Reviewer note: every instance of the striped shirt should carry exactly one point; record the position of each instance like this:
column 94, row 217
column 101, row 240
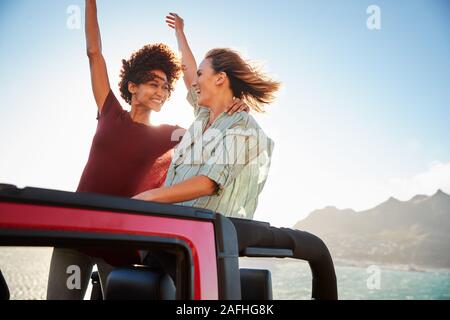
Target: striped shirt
column 234, row 152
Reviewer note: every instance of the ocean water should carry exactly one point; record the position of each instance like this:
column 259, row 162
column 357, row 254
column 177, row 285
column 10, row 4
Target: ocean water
column 26, row 270
column 291, row 280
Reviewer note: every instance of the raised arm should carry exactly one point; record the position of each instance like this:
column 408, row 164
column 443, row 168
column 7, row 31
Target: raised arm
column 188, row 61
column 99, row 74
column 187, row 58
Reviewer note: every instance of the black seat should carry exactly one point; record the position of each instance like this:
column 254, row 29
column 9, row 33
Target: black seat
column 256, row 284
column 139, row 283
column 4, row 291
column 96, row 293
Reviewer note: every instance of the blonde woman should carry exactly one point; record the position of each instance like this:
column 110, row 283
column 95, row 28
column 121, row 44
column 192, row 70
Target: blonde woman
column 222, row 162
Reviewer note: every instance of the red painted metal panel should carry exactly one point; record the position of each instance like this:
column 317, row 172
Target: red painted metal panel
column 199, row 235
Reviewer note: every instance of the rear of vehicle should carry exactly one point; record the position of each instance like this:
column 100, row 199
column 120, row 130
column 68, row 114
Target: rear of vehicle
column 196, row 251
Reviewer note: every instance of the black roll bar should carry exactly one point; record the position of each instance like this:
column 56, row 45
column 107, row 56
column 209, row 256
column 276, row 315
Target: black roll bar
column 259, row 239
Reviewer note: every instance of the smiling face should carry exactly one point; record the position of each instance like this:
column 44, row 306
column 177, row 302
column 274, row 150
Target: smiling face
column 151, row 94
column 206, row 83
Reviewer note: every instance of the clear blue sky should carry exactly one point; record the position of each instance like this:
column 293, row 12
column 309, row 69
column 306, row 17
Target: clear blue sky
column 363, row 114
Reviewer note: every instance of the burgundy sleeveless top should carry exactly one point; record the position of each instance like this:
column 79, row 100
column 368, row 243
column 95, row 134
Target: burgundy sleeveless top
column 126, row 157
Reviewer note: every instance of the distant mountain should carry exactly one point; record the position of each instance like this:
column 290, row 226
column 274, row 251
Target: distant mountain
column 414, row 232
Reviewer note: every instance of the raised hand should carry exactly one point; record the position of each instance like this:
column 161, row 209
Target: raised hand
column 174, row 21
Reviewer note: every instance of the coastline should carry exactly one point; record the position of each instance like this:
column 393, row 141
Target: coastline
column 389, row 266
column 338, row 262
column 26, row 271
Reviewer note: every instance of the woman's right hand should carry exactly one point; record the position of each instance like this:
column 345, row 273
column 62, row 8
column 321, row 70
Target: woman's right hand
column 175, row 22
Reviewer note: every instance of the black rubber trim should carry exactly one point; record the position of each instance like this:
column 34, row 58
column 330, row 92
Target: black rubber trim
column 303, row 245
column 86, row 200
column 228, row 275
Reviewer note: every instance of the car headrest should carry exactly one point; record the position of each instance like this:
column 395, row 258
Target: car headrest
column 4, row 291
column 139, row 284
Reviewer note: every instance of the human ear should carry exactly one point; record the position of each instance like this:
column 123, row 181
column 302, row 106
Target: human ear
column 132, row 88
column 221, row 78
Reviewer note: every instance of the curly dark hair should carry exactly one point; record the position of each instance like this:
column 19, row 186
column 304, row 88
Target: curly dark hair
column 151, row 57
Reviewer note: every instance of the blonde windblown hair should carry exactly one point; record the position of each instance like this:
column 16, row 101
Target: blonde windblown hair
column 247, row 81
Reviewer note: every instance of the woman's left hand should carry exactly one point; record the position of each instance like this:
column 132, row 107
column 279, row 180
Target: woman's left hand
column 237, row 106
column 174, row 21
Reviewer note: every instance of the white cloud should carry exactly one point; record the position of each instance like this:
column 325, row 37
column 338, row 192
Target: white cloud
column 436, row 177
column 286, row 201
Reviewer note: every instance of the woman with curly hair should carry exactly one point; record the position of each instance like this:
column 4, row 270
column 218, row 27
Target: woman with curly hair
column 128, row 154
